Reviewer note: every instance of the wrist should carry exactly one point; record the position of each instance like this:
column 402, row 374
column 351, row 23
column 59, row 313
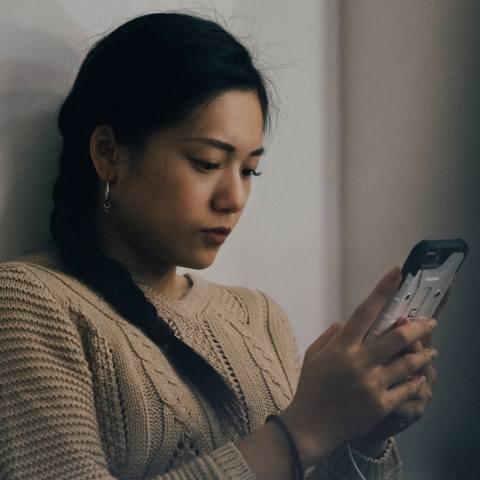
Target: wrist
column 312, row 449
column 370, row 448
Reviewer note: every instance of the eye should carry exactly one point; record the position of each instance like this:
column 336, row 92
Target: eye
column 204, row 165
column 248, row 172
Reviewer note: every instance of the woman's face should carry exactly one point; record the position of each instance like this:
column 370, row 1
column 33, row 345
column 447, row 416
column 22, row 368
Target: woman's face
column 184, row 184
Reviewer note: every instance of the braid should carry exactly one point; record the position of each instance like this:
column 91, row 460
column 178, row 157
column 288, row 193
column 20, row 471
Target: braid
column 72, row 226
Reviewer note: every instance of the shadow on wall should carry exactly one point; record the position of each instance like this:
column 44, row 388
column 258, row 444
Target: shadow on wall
column 33, row 82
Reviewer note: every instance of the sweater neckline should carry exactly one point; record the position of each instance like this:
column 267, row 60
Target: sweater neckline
column 193, row 302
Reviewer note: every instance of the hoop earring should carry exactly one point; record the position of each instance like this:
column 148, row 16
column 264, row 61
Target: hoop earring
column 106, row 201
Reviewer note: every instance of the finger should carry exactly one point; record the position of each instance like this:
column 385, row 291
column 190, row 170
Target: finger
column 426, row 340
column 417, row 345
column 367, row 312
column 411, row 411
column 430, row 372
column 421, row 398
column 424, row 396
column 326, row 336
column 402, row 367
column 394, row 342
column 403, row 392
column 399, row 322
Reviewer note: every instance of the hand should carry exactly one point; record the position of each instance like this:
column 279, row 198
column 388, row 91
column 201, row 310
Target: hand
column 374, row 443
column 406, row 414
column 346, row 387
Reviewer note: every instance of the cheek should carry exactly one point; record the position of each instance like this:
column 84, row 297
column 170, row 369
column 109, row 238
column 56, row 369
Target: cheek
column 174, row 203
column 189, row 199
column 184, row 190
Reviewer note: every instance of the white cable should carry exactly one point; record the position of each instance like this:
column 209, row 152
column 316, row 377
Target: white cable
column 355, row 463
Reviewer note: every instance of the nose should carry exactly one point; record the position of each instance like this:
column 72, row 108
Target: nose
column 231, row 193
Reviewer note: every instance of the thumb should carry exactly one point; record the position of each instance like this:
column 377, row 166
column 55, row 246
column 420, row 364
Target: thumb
column 366, row 313
column 326, row 336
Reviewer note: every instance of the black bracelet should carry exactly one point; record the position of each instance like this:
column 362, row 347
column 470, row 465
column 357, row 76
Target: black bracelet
column 299, row 474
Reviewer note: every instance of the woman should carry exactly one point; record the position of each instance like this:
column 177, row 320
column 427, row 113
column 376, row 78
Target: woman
column 114, row 366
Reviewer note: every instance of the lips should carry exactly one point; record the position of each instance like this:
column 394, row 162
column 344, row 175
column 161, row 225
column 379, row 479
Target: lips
column 215, row 236
column 221, row 230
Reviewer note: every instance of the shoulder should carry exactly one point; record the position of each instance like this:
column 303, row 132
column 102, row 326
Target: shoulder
column 30, row 276
column 21, row 279
column 40, row 303
column 33, row 316
column 26, row 267
column 38, row 295
column 43, row 272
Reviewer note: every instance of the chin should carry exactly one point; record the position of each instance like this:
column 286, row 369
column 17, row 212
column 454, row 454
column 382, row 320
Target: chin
column 199, row 263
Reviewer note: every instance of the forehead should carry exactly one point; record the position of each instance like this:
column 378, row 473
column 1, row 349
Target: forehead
column 235, row 117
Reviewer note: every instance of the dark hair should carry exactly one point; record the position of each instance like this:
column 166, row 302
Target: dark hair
column 151, row 73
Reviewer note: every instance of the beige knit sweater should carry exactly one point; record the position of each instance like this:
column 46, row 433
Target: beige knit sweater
column 86, row 395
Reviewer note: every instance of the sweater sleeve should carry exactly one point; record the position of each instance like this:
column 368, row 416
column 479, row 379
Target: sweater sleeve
column 339, row 465
column 48, row 423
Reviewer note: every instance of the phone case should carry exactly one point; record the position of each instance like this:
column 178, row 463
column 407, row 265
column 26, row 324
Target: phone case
column 426, row 275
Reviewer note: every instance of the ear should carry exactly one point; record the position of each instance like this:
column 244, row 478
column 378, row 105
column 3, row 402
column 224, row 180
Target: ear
column 106, row 153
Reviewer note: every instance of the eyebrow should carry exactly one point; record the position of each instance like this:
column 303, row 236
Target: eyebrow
column 221, row 145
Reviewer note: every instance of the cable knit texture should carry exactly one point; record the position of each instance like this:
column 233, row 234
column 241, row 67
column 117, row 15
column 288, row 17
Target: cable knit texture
column 84, row 394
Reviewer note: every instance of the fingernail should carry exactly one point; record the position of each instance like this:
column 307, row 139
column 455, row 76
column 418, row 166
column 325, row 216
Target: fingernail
column 422, row 379
column 433, row 353
column 433, row 323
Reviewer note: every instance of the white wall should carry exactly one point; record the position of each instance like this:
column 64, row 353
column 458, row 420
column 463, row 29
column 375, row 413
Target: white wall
column 287, row 241
column 411, row 148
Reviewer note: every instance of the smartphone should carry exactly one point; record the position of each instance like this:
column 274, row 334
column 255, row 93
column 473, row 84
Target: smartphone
column 427, row 273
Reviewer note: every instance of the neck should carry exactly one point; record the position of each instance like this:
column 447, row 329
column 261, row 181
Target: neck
column 157, row 275
column 165, row 281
